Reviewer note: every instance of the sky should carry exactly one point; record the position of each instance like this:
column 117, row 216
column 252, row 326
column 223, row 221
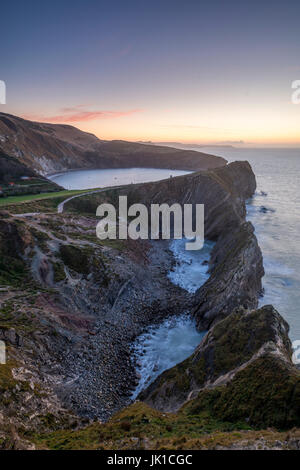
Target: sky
column 208, row 72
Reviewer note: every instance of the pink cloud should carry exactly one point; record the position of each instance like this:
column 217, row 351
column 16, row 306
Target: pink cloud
column 125, row 50
column 72, row 115
column 74, row 108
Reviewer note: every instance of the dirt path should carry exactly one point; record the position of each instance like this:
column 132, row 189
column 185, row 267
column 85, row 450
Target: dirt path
column 60, row 207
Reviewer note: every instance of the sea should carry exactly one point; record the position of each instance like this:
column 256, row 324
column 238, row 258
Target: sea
column 274, row 211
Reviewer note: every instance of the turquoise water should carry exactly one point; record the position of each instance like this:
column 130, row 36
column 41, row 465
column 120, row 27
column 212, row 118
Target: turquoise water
column 88, row 179
column 164, row 346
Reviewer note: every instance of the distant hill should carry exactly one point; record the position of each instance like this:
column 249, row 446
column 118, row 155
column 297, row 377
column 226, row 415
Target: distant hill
column 49, row 148
column 180, row 145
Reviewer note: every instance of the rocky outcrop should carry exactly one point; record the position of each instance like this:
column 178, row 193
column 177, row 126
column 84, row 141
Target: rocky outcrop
column 223, row 192
column 241, row 371
column 236, row 265
column 70, row 307
column 236, row 270
column 49, row 148
column 12, row 182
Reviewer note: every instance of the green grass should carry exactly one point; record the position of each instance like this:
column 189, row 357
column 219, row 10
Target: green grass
column 6, row 201
column 137, row 421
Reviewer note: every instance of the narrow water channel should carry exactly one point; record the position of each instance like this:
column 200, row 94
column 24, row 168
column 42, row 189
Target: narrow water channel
column 163, row 346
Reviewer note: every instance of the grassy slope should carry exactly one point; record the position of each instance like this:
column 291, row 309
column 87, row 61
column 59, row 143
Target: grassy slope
column 192, row 427
column 141, row 427
column 7, row 201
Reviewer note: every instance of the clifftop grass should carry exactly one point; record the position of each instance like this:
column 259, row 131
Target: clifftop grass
column 133, row 425
column 141, row 427
column 266, row 393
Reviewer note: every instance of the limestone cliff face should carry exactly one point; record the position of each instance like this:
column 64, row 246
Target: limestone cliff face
column 222, row 191
column 49, row 148
column 242, row 370
column 236, row 265
column 235, row 277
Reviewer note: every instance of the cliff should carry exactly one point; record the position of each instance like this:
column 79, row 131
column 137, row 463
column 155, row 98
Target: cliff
column 50, row 148
column 236, row 265
column 241, row 371
column 236, row 270
column 16, row 178
column 71, row 306
column 222, row 191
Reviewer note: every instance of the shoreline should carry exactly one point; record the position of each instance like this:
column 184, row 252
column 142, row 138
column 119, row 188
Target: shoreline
column 92, row 300
column 51, row 174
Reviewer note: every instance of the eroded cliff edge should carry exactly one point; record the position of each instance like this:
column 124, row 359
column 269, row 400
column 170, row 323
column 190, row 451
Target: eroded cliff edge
column 236, row 266
column 242, row 370
column 72, row 305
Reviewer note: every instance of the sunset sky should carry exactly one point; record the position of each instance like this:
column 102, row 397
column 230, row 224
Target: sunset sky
column 186, row 71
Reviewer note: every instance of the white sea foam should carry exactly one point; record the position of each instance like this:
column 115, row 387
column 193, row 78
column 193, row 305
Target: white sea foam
column 191, row 270
column 164, row 346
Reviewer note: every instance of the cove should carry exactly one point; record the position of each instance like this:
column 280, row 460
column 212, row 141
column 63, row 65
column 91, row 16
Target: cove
column 89, row 179
column 175, row 339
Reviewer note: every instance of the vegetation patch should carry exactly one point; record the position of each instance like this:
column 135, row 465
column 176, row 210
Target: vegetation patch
column 12, row 316
column 266, row 393
column 58, row 271
column 75, row 258
column 135, row 423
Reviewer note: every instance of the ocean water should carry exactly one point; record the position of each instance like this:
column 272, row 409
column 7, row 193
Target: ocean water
column 275, row 214
column 165, row 345
column 162, row 347
column 89, row 179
